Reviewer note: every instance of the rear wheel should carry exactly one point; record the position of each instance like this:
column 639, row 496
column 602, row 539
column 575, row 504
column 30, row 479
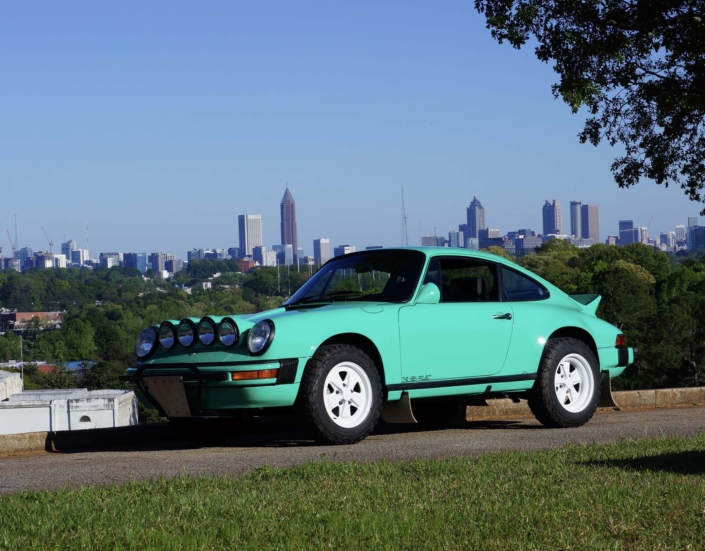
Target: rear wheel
column 341, row 395
column 567, row 387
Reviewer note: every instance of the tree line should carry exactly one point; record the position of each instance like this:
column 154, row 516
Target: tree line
column 656, row 299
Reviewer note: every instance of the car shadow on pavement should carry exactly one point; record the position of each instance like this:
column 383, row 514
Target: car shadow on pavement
column 690, row 462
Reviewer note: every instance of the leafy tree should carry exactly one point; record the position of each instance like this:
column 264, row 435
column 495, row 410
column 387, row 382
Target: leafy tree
column 637, row 67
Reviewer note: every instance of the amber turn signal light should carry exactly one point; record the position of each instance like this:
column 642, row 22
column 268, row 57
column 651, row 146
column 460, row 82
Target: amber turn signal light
column 249, row 375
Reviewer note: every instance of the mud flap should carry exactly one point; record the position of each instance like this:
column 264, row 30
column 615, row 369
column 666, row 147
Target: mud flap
column 606, row 398
column 398, row 411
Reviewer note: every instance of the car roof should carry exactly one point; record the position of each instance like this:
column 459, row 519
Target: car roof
column 446, row 251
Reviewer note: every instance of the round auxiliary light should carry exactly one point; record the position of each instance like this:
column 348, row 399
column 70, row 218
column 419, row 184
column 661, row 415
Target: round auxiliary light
column 206, row 332
column 146, row 342
column 166, row 336
column 186, row 334
column 228, row 332
column 260, row 337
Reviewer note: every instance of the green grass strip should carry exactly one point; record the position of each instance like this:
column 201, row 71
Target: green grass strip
column 647, row 494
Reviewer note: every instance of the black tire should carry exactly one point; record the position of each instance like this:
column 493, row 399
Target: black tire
column 435, row 413
column 205, row 432
column 311, row 402
column 543, row 398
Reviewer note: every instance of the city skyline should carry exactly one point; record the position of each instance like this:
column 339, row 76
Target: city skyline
column 135, row 135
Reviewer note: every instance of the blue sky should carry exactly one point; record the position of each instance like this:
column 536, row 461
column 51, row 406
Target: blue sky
column 162, row 121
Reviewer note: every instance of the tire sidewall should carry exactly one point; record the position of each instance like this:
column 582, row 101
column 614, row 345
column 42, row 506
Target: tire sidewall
column 550, row 369
column 375, row 388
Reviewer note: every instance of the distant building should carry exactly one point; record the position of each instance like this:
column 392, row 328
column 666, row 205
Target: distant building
column 321, row 250
column 68, row 248
column 373, row 247
column 137, row 261
column 472, row 243
column 245, row 264
column 340, row 250
column 626, row 232
column 205, row 285
column 156, row 262
column 174, row 266
column 526, row 245
column 234, row 252
column 18, row 321
column 456, row 239
column 612, row 240
column 108, row 260
column 79, row 257
column 264, row 257
column 487, row 242
column 12, row 264
column 250, row 226
column 488, row 233
column 60, row 261
column 590, row 222
column 680, row 232
column 287, row 210
column 475, row 218
column 24, row 254
column 43, row 260
column 433, row 241
column 695, row 238
column 693, row 221
column 285, row 254
column 552, row 218
column 576, row 226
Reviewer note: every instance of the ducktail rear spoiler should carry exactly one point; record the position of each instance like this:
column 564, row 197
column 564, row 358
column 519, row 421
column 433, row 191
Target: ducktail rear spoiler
column 589, row 302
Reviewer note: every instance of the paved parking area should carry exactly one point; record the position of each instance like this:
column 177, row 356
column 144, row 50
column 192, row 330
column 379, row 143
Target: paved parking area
column 277, row 446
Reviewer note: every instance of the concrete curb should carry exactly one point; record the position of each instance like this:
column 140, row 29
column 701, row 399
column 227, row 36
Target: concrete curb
column 625, row 399
column 73, row 441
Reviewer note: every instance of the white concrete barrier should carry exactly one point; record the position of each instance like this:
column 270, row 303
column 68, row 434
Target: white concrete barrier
column 10, row 383
column 73, row 409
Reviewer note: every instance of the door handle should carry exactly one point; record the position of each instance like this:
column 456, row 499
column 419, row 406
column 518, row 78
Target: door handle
column 506, row 316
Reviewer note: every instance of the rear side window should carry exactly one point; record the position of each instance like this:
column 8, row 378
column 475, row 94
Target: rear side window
column 517, row 287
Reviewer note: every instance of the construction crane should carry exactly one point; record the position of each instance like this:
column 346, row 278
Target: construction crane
column 404, row 217
column 14, row 247
column 51, row 243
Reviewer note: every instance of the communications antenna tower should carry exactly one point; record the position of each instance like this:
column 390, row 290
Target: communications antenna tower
column 14, row 247
column 404, row 217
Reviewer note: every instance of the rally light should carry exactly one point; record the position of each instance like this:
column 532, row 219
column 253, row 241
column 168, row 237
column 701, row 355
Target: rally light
column 206, row 332
column 166, row 335
column 259, row 374
column 228, row 332
column 187, row 333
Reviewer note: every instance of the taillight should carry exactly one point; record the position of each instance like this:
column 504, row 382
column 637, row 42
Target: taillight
column 620, row 340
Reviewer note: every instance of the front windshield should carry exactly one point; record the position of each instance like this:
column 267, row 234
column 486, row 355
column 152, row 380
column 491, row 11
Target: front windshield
column 386, row 276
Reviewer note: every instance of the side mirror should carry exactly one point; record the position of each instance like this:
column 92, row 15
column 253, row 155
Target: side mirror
column 429, row 294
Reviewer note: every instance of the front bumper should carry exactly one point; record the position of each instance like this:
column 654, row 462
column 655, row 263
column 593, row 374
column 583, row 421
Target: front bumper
column 210, row 390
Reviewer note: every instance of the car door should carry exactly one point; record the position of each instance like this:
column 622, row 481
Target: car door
column 466, row 334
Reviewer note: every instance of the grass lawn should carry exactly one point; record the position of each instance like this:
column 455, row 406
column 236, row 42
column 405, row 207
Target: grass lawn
column 648, row 494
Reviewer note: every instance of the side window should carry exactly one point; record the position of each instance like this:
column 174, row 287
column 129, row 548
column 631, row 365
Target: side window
column 468, row 280
column 517, row 287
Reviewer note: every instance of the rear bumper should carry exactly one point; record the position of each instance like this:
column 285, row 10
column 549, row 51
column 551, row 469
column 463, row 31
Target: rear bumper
column 210, row 390
column 615, row 359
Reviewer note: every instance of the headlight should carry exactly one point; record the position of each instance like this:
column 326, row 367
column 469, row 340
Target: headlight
column 228, row 332
column 261, row 336
column 186, row 333
column 206, row 332
column 166, row 336
column 146, row 342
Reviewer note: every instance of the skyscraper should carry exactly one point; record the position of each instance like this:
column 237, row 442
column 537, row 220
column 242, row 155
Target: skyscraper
column 552, row 218
column 476, row 218
column 590, row 223
column 321, row 251
column 680, row 232
column 626, row 232
column 68, row 247
column 250, row 226
column 576, row 226
column 288, row 222
column 692, row 221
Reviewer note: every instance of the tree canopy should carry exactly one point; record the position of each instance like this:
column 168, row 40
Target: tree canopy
column 636, row 66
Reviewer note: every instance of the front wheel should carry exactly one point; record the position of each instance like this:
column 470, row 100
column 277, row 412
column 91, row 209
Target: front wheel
column 567, row 387
column 341, row 395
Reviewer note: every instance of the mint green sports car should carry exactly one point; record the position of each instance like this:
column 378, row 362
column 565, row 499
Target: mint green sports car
column 405, row 334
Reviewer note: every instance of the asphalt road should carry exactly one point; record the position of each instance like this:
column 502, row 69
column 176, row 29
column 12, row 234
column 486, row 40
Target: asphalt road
column 276, row 446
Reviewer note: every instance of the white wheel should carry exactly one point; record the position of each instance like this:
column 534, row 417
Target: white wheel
column 347, row 395
column 574, row 383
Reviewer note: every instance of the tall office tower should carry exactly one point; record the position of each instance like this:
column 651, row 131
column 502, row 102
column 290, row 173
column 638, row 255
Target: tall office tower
column 576, row 226
column 692, row 221
column 156, row 262
column 488, row 233
column 626, row 232
column 288, row 222
column 285, row 254
column 321, row 251
column 250, row 232
column 340, row 250
column 68, row 247
column 680, row 232
column 476, row 218
column 234, row 252
column 643, row 235
column 79, row 257
column 590, row 223
column 552, row 218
